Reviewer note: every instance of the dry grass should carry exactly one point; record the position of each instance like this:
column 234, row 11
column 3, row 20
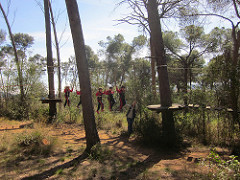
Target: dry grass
column 119, row 157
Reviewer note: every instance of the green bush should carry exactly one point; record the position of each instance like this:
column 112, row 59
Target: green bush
column 149, row 128
column 223, row 169
column 41, row 114
column 34, row 143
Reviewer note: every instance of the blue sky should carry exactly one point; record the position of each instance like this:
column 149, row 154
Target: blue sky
column 97, row 18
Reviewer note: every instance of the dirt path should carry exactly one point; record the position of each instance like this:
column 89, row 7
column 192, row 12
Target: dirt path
column 127, row 160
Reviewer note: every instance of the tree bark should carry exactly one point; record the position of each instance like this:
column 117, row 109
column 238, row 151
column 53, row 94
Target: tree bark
column 234, row 83
column 92, row 137
column 169, row 133
column 185, row 96
column 52, row 104
column 58, row 53
column 153, row 70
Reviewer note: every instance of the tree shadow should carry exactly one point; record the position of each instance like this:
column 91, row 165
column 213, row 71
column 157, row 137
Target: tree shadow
column 134, row 169
column 52, row 171
column 124, row 164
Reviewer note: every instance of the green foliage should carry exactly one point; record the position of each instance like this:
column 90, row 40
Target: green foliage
column 206, row 126
column 91, row 57
column 111, row 121
column 23, row 41
column 39, row 114
column 138, row 85
column 34, row 143
column 223, row 169
column 148, row 127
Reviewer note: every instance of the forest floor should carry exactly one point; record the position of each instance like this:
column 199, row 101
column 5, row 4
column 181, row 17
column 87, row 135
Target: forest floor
column 124, row 158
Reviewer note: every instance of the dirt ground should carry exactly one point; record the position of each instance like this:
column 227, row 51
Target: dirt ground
column 126, row 158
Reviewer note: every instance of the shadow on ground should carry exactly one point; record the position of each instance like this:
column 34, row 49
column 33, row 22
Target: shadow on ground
column 52, row 171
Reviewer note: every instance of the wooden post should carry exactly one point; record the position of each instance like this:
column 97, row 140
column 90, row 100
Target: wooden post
column 50, row 68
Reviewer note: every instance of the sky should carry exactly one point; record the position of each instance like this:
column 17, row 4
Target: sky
column 97, row 17
column 98, row 21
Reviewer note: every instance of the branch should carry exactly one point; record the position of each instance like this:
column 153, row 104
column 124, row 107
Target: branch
column 236, row 9
column 217, row 15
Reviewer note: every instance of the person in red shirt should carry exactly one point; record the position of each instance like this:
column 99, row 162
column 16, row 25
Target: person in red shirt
column 80, row 102
column 121, row 97
column 99, row 99
column 67, row 91
column 111, row 99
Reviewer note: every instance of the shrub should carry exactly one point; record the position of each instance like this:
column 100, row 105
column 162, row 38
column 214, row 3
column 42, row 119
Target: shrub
column 148, row 127
column 223, row 169
column 34, row 143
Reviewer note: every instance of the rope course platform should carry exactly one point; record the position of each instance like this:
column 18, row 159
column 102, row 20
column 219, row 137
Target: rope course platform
column 159, row 108
column 175, row 107
column 50, row 100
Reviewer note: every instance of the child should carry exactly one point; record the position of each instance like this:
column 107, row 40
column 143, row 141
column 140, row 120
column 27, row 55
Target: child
column 67, row 91
column 111, row 99
column 130, row 117
column 121, row 97
column 80, row 102
column 99, row 99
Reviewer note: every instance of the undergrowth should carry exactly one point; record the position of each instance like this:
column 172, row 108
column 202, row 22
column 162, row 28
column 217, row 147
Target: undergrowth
column 100, row 153
column 28, row 143
column 222, row 168
column 34, row 143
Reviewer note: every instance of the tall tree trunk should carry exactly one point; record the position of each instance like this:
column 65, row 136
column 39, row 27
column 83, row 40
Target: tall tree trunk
column 234, row 82
column 92, row 137
column 20, row 76
column 58, row 52
column 164, row 86
column 153, row 70
column 185, row 96
column 52, row 104
column 4, row 91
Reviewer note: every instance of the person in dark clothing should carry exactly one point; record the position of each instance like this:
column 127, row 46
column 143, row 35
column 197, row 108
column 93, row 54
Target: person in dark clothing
column 130, row 116
column 67, row 91
column 80, row 101
column 99, row 99
column 111, row 99
column 121, row 97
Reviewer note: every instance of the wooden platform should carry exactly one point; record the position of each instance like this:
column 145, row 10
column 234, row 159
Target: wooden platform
column 51, row 100
column 159, row 108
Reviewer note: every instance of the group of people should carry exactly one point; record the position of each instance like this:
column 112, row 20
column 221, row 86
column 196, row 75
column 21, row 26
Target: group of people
column 131, row 113
column 99, row 95
column 111, row 99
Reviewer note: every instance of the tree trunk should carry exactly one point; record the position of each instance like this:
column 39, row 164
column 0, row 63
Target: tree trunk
column 58, row 53
column 169, row 133
column 234, row 95
column 52, row 104
column 185, row 96
column 20, row 76
column 92, row 137
column 4, row 95
column 153, row 70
